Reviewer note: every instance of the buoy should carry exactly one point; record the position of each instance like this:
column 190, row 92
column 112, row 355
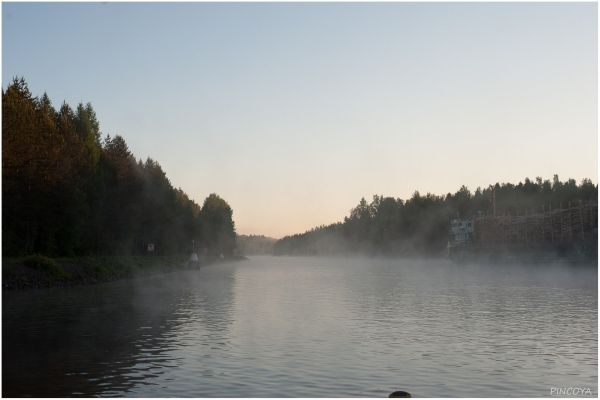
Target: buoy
column 193, row 263
column 399, row 395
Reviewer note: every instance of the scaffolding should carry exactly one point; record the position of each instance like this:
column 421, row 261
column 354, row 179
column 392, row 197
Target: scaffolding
column 569, row 225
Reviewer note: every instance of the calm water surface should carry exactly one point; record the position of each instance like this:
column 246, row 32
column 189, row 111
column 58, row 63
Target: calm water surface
column 309, row 327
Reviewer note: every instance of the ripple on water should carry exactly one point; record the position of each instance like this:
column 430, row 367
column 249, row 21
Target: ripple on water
column 308, row 327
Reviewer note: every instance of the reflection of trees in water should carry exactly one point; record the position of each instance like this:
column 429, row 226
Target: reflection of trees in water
column 109, row 338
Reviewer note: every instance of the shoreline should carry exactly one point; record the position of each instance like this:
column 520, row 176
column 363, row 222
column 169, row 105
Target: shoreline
column 92, row 270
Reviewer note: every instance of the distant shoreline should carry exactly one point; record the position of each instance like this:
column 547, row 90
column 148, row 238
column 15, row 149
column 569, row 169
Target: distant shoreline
column 91, row 270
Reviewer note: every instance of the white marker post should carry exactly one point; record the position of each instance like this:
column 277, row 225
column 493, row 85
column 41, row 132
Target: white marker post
column 193, row 263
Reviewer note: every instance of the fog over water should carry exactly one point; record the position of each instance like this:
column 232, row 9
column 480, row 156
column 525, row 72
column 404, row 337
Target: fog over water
column 309, row 327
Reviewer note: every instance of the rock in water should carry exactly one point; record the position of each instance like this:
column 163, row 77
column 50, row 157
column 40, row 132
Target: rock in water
column 400, row 394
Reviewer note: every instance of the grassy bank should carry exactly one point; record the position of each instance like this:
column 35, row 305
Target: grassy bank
column 40, row 272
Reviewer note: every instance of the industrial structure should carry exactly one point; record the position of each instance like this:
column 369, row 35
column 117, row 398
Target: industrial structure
column 568, row 234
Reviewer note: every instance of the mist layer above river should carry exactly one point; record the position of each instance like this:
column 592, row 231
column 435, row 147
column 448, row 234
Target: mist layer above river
column 309, row 327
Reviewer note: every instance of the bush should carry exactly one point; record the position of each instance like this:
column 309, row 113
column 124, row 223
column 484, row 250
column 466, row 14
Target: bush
column 8, row 271
column 99, row 271
column 43, row 263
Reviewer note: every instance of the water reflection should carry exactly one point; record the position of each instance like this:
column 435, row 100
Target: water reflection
column 484, row 328
column 309, row 327
column 107, row 339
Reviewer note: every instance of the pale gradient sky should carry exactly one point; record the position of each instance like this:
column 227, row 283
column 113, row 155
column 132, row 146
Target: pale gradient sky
column 294, row 111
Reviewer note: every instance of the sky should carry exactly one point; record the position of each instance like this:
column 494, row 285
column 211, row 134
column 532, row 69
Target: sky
column 292, row 112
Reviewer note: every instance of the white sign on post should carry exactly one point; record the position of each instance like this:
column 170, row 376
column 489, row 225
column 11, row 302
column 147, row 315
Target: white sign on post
column 150, row 246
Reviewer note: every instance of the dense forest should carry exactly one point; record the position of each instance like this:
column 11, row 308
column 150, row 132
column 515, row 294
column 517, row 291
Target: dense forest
column 66, row 191
column 419, row 226
column 254, row 245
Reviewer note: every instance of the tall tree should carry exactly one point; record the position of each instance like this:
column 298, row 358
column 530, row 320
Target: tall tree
column 219, row 229
column 64, row 192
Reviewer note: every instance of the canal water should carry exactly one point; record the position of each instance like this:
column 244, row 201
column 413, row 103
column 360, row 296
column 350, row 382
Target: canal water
column 309, row 327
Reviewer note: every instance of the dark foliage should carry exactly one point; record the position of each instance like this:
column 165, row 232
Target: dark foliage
column 65, row 192
column 419, row 226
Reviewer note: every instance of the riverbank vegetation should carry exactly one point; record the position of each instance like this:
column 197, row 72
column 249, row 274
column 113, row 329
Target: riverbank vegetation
column 419, row 226
column 38, row 271
column 67, row 191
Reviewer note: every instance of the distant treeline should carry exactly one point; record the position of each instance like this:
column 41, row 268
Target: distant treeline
column 420, row 225
column 67, row 192
column 254, row 245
